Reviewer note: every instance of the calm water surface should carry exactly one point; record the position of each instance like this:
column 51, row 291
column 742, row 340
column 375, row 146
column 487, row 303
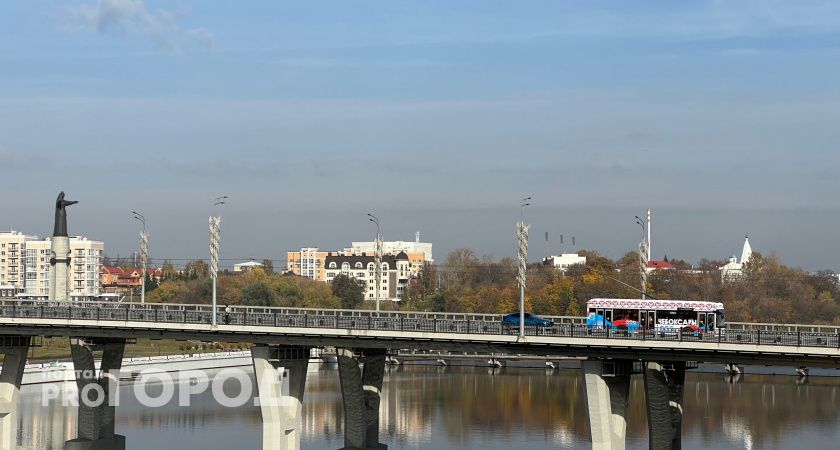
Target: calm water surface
column 473, row 408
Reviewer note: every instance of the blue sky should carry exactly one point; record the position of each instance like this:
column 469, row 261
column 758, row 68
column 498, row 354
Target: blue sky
column 436, row 115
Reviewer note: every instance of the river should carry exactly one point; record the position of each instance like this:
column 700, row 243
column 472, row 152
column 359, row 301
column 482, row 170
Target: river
column 433, row 407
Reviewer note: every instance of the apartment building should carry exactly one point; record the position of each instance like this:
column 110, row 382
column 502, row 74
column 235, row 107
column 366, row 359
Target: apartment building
column 308, row 262
column 25, row 266
column 396, row 273
column 85, row 262
column 13, row 261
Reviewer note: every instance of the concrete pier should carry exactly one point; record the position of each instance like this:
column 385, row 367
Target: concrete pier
column 664, row 396
column 361, row 390
column 60, row 268
column 281, row 414
column 96, row 403
column 14, row 349
column 606, row 393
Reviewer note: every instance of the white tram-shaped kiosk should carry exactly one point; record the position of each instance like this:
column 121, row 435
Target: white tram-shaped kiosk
column 660, row 315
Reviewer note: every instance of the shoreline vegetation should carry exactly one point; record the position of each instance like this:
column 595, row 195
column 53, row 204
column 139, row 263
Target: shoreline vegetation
column 767, row 291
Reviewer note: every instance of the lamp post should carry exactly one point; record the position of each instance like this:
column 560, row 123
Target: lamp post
column 377, row 258
column 522, row 255
column 643, row 257
column 144, row 255
column 215, row 237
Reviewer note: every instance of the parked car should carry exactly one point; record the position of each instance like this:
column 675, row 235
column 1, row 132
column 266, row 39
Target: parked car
column 530, row 320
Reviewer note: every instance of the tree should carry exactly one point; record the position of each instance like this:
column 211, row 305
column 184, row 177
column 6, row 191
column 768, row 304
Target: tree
column 151, row 283
column 460, row 268
column 167, row 292
column 169, row 272
column 258, row 293
column 268, row 266
column 349, row 290
column 196, row 269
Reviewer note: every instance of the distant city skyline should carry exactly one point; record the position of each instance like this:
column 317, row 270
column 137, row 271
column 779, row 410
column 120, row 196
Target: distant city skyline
column 436, row 116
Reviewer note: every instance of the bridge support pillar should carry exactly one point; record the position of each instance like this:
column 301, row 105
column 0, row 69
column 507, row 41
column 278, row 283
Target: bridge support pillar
column 606, row 393
column 97, row 394
column 281, row 414
column 10, row 379
column 664, row 394
column 361, row 390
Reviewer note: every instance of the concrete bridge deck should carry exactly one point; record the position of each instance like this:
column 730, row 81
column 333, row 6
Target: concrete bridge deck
column 395, row 330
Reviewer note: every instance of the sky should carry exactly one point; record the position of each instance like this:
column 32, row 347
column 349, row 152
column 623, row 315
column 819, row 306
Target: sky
column 437, row 116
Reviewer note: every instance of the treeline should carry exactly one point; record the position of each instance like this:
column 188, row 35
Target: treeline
column 767, row 292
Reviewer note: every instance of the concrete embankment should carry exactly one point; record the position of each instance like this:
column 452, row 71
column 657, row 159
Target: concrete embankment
column 62, row 371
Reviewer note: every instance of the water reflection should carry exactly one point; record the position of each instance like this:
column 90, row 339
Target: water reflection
column 461, row 407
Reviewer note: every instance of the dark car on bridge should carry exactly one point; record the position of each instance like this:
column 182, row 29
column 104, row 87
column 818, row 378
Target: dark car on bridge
column 531, row 320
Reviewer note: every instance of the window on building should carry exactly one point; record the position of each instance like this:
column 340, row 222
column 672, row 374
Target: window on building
column 332, row 265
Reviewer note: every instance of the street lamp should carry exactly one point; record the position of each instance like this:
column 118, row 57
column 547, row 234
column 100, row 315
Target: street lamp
column 215, row 237
column 377, row 258
column 522, row 254
column 144, row 255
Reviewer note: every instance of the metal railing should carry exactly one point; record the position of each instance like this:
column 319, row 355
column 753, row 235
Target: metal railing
column 409, row 322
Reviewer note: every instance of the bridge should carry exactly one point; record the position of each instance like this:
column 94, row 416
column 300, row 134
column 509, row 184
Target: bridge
column 283, row 337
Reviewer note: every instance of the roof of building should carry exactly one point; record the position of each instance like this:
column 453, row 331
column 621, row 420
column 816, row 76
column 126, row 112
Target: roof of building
column 249, row 264
column 660, row 265
column 746, row 253
column 364, row 258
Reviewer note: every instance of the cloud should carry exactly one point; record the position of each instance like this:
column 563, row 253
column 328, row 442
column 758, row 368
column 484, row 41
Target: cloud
column 132, row 17
column 203, row 37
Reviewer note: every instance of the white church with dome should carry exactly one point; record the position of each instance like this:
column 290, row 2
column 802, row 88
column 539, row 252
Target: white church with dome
column 732, row 270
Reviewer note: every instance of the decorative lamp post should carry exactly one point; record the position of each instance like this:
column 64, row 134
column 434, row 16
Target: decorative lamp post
column 144, row 255
column 215, row 238
column 522, row 255
column 377, row 258
column 643, row 257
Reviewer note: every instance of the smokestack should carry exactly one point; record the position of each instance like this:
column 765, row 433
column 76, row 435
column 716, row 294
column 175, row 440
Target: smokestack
column 648, row 236
column 417, row 237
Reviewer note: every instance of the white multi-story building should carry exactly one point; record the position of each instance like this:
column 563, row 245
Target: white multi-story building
column 25, row 265
column 396, row 273
column 12, row 259
column 394, row 247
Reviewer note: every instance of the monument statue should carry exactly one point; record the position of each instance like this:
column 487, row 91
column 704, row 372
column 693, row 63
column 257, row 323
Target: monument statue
column 60, row 228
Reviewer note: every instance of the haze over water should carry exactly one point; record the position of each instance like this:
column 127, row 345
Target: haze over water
column 474, row 408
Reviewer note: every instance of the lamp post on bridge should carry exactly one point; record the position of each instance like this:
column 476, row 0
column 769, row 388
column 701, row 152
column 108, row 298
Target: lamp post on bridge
column 377, row 258
column 643, row 257
column 215, row 238
column 522, row 255
column 144, row 255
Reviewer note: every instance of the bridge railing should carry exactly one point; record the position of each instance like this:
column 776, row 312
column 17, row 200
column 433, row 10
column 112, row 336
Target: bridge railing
column 742, row 326
column 207, row 309
column 764, row 334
